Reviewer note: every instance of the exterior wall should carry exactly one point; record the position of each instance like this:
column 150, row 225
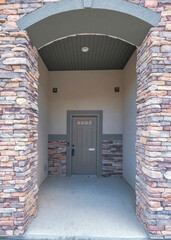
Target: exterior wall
column 42, row 168
column 153, row 193
column 111, row 157
column 18, row 94
column 18, row 126
column 57, row 151
column 129, row 121
column 85, row 90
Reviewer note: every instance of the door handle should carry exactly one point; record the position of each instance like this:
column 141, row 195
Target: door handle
column 91, row 149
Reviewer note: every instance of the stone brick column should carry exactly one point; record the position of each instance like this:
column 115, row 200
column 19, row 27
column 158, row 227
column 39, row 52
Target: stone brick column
column 153, row 144
column 18, row 124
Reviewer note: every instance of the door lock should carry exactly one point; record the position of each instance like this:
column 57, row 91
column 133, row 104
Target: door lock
column 73, row 152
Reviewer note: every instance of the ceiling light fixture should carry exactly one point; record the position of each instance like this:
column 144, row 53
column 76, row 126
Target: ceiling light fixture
column 84, row 49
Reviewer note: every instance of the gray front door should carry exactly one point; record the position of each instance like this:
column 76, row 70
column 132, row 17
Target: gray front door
column 84, row 149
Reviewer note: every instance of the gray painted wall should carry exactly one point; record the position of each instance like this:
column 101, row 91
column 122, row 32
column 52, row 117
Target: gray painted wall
column 129, row 121
column 86, row 90
column 42, row 170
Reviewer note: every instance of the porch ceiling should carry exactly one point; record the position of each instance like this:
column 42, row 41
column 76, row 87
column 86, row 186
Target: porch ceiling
column 104, row 53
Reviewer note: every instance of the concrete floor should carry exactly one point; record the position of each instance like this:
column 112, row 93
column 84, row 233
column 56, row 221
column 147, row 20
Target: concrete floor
column 83, row 207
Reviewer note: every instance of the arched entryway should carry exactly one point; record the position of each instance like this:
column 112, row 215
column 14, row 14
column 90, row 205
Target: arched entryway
column 123, row 20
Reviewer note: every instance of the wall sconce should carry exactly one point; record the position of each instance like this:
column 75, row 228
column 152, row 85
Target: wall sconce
column 117, row 89
column 55, row 90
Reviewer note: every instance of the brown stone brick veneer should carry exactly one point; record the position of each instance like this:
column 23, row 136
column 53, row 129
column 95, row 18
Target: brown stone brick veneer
column 18, row 127
column 111, row 157
column 153, row 143
column 57, row 151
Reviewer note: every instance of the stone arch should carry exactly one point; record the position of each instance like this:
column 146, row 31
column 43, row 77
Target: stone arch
column 123, row 20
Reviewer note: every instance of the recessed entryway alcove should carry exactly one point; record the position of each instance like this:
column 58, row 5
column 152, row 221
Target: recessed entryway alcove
column 87, row 64
column 99, row 83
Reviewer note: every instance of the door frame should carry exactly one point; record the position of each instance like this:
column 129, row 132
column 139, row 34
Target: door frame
column 85, row 113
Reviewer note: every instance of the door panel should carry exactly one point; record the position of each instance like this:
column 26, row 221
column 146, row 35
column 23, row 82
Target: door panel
column 84, row 143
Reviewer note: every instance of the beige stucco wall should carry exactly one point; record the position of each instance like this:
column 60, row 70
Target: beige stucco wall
column 129, row 121
column 42, row 170
column 85, row 90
